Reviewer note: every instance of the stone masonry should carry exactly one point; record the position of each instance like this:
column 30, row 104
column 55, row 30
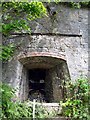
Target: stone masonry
column 58, row 43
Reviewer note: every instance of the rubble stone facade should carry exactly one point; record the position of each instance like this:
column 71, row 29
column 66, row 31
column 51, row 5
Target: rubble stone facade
column 58, row 44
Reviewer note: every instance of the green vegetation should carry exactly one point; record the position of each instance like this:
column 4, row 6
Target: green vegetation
column 76, row 105
column 6, row 51
column 15, row 15
column 6, row 103
column 14, row 109
column 15, row 18
column 79, row 4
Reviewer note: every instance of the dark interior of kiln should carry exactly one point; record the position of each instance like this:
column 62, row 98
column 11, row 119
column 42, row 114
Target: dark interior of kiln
column 44, row 83
column 37, row 85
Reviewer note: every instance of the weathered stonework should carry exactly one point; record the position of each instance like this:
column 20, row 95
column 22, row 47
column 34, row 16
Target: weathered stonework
column 58, row 44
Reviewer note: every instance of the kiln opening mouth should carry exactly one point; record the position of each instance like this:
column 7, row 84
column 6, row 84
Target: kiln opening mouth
column 37, row 85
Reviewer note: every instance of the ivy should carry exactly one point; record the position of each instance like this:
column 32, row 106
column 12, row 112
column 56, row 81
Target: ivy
column 16, row 110
column 6, row 51
column 76, row 105
column 79, row 4
column 15, row 18
column 16, row 15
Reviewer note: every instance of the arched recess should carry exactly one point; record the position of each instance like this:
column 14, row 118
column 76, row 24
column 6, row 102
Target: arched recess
column 53, row 70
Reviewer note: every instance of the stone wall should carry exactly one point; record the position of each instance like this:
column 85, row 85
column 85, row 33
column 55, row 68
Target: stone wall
column 67, row 48
column 56, row 39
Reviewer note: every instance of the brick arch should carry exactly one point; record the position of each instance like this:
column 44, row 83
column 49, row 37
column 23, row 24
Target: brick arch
column 54, row 67
column 41, row 59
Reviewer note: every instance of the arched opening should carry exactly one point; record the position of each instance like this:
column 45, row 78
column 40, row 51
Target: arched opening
column 42, row 77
